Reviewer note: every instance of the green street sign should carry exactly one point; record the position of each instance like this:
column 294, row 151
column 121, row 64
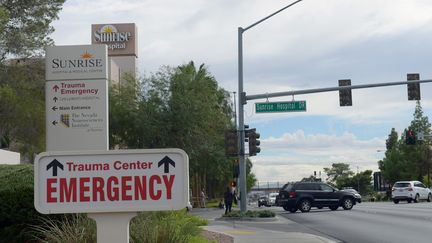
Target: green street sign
column 285, row 106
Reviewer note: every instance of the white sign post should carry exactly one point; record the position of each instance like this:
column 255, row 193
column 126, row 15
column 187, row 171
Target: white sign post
column 119, row 181
column 77, row 120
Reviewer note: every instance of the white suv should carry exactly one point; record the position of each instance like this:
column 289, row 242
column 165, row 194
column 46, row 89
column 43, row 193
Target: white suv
column 410, row 191
column 272, row 198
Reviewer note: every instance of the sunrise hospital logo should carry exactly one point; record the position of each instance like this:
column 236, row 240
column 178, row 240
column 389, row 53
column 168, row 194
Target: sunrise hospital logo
column 110, row 35
column 108, row 29
column 86, row 55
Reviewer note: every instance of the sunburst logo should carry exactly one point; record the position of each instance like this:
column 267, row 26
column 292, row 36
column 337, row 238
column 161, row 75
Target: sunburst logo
column 86, row 55
column 108, row 29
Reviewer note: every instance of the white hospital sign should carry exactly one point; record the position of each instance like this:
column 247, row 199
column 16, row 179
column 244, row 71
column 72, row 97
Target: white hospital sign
column 111, row 181
column 76, row 62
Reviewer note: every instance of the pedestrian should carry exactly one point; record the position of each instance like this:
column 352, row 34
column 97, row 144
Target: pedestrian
column 221, row 204
column 228, row 198
column 202, row 195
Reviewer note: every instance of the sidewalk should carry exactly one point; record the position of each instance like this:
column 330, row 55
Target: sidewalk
column 251, row 232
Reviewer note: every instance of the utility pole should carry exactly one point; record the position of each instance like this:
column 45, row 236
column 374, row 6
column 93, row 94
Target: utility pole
column 242, row 102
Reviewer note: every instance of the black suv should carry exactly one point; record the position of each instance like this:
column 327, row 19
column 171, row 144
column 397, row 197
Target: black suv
column 304, row 195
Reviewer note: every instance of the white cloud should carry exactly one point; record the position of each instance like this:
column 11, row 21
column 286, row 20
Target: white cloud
column 293, row 156
column 310, row 45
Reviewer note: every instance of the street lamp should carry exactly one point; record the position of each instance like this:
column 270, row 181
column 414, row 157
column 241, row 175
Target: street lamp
column 242, row 102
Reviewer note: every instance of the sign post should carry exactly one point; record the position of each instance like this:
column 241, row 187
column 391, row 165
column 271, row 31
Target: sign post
column 109, row 185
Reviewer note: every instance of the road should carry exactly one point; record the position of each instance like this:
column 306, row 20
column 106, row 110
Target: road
column 370, row 222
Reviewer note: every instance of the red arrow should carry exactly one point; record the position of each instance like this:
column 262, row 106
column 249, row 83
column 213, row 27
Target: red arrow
column 55, row 88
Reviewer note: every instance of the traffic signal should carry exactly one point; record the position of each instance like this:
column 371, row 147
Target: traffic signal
column 410, row 138
column 246, row 127
column 253, row 142
column 345, row 97
column 413, row 89
column 231, row 143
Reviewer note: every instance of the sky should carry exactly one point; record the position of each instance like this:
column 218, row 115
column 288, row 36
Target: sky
column 310, row 45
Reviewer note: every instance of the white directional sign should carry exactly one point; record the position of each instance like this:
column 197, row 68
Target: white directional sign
column 76, row 98
column 76, row 115
column 111, row 181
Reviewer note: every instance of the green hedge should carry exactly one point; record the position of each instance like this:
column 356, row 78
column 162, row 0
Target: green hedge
column 17, row 211
column 251, row 214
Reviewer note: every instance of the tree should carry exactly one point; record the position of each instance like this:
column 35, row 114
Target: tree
column 338, row 170
column 392, row 140
column 418, row 156
column 24, row 30
column 360, row 182
column 22, row 108
column 408, row 162
column 179, row 107
column 311, row 178
column 26, row 25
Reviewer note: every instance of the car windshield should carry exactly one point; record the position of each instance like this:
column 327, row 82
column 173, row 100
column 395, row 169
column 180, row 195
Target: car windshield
column 402, row 184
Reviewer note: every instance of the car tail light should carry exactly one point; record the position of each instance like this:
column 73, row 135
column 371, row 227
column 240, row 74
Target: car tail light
column 409, row 189
column 291, row 194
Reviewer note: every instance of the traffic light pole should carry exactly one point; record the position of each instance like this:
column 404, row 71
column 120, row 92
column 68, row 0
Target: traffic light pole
column 242, row 161
column 320, row 90
column 241, row 103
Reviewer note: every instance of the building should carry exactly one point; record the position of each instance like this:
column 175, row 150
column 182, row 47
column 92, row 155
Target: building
column 9, row 158
column 122, row 42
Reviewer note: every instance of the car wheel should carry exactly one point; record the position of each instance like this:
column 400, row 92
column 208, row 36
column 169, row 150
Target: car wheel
column 347, row 203
column 305, row 205
column 293, row 210
column 429, row 197
column 286, row 208
column 333, row 208
column 396, row 201
column 320, row 207
column 409, row 200
column 416, row 199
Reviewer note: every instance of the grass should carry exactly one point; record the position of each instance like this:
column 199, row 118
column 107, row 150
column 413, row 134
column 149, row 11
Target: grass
column 75, row 228
column 147, row 227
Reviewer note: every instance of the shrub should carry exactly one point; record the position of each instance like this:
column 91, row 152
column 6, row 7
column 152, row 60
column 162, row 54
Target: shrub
column 172, row 226
column 251, row 214
column 73, row 228
column 17, row 210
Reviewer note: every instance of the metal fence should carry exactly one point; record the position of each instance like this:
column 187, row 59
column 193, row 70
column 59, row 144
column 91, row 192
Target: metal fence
column 268, row 185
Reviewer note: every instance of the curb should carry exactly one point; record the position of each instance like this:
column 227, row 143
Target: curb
column 251, row 219
column 217, row 236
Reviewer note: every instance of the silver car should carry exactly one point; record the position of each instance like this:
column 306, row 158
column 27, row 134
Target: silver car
column 410, row 191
